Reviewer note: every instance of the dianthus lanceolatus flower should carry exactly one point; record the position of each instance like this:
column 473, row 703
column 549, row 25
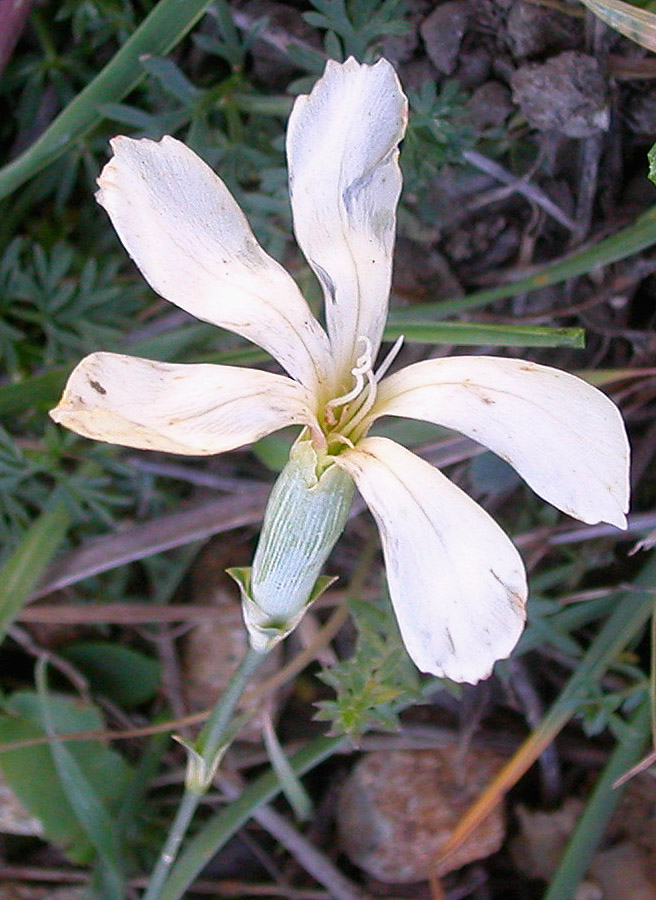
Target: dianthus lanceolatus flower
column 456, row 582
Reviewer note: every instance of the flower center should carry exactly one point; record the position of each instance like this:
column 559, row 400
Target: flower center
column 345, row 416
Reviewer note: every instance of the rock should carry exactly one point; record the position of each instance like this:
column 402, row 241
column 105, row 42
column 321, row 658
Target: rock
column 633, row 820
column 490, row 105
column 473, row 68
column 621, row 873
column 416, row 72
column 543, row 837
column 399, row 48
column 397, row 809
column 567, row 94
column 534, row 30
column 443, row 31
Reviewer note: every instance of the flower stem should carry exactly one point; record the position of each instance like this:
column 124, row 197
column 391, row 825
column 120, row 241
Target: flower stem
column 203, row 759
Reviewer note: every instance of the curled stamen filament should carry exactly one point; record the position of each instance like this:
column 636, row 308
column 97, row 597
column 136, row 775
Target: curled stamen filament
column 364, row 393
column 369, row 399
column 391, row 356
column 361, row 369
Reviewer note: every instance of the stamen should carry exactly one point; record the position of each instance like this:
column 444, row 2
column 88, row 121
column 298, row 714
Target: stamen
column 389, row 359
column 363, row 365
column 342, row 439
column 368, row 403
column 357, row 403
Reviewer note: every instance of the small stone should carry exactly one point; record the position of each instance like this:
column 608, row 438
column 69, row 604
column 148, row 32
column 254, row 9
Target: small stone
column 622, row 873
column 534, row 30
column 443, row 32
column 399, row 48
column 543, row 836
column 490, row 105
column 397, row 810
column 473, row 68
column 567, row 94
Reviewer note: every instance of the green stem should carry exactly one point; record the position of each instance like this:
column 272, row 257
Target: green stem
column 177, row 831
column 214, row 833
column 203, row 760
column 213, row 733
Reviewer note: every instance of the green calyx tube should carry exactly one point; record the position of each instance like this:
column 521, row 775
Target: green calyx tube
column 306, row 513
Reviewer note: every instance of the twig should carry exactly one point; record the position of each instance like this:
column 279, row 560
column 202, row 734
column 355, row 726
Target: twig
column 326, row 634
column 224, row 887
column 127, row 613
column 188, row 474
column 589, row 158
column 530, row 191
column 313, row 861
column 193, row 523
column 534, row 711
column 28, row 644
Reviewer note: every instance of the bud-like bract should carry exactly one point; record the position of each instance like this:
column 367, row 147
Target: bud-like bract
column 305, row 515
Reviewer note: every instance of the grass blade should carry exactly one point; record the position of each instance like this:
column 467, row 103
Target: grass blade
column 160, row 31
column 24, row 567
column 475, row 335
column 605, row 797
column 90, row 811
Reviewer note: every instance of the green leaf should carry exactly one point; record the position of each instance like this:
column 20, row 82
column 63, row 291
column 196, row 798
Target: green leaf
column 651, row 157
column 84, row 797
column 32, row 774
column 291, row 784
column 23, row 568
column 638, row 25
column 220, row 828
column 125, row 676
column 172, row 79
column 474, row 334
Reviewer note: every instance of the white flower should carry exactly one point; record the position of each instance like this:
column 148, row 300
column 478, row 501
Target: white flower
column 457, row 583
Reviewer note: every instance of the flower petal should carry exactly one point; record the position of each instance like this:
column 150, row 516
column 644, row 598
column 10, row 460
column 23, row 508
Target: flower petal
column 563, row 436
column 456, row 582
column 182, row 227
column 190, row 409
column 345, row 181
